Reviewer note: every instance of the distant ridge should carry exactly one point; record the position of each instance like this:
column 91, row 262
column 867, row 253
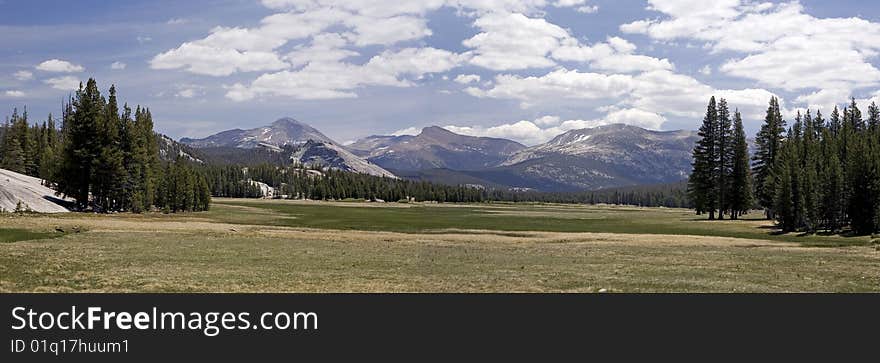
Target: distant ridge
column 434, row 148
column 284, row 131
column 305, row 145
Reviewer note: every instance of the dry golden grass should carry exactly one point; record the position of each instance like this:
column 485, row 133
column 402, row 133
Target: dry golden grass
column 206, row 253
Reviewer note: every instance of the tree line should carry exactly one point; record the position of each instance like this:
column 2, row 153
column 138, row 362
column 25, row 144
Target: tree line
column 317, row 183
column 816, row 175
column 313, row 182
column 104, row 158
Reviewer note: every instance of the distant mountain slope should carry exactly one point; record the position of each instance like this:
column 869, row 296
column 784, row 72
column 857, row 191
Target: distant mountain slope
column 170, row 149
column 332, row 156
column 285, row 131
column 607, row 156
column 435, row 148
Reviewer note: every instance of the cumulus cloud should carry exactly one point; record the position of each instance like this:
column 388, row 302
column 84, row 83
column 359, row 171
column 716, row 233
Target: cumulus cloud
column 23, row 75
column 14, row 94
column 560, row 84
column 228, row 50
column 412, row 131
column 65, row 83
column 514, row 41
column 118, row 66
column 660, row 92
column 779, row 45
column 332, row 80
column 543, row 129
column 321, row 37
column 213, row 61
column 59, row 66
column 467, row 78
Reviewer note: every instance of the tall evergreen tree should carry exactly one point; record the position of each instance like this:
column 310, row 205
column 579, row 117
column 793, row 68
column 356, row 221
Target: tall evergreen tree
column 741, row 198
column 832, row 184
column 785, row 206
column 702, row 184
column 810, row 154
column 13, row 152
column 109, row 170
column 81, row 144
column 725, row 149
column 768, row 143
column 873, row 118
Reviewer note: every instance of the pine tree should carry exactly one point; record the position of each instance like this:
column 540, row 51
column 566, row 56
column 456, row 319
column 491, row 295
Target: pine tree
column 48, row 155
column 725, row 152
column 873, row 118
column 768, row 143
column 13, row 153
column 832, row 184
column 702, row 184
column 151, row 158
column 835, row 125
column 741, row 179
column 109, row 170
column 810, row 154
column 81, row 144
column 29, row 148
column 783, row 184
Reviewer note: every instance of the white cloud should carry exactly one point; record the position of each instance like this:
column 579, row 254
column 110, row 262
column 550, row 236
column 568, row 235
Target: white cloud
column 321, row 36
column 14, row 94
column 560, row 84
column 118, row 66
column 824, row 99
column 412, row 131
column 590, row 9
column 324, row 48
column 65, row 83
column 467, row 78
column 636, row 117
column 782, row 45
column 526, row 132
column 189, row 91
column 548, row 121
column 706, row 71
column 533, row 132
column 615, row 55
column 211, row 61
column 514, row 41
column 23, row 75
column 186, row 93
column 59, row 66
column 660, row 92
column 332, row 80
column 580, row 5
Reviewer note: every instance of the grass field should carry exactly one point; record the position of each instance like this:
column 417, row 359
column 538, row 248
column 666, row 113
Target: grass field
column 287, row 246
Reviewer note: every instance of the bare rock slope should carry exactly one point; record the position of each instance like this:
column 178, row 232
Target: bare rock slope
column 15, row 188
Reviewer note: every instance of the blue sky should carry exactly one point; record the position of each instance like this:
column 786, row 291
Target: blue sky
column 522, row 69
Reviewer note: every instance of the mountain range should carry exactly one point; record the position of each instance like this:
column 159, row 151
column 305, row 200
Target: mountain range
column 586, row 159
column 435, row 148
column 285, row 131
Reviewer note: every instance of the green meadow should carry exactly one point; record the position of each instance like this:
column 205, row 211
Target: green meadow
column 296, row 246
